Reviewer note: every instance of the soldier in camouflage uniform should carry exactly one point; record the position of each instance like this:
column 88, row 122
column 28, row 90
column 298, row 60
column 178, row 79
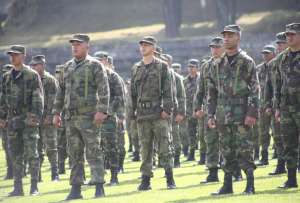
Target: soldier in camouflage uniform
column 84, row 95
column 264, row 121
column 48, row 133
column 287, row 100
column 200, row 109
column 152, row 102
column 190, row 84
column 281, row 45
column 21, row 109
column 232, row 108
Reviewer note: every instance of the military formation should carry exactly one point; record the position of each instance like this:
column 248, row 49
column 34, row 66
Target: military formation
column 227, row 107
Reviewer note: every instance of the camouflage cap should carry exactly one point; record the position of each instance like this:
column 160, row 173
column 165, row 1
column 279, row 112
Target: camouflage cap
column 101, row 55
column 38, row 59
column 168, row 57
column 176, row 66
column 6, row 68
column 110, row 60
column 158, row 50
column 149, row 40
column 194, row 63
column 216, row 42
column 16, row 49
column 232, row 29
column 80, row 38
column 292, row 28
column 268, row 49
column 280, row 37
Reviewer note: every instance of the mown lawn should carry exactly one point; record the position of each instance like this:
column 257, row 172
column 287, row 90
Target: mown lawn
column 187, row 178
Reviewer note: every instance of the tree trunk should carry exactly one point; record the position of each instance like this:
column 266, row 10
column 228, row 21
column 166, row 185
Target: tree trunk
column 172, row 12
column 226, row 12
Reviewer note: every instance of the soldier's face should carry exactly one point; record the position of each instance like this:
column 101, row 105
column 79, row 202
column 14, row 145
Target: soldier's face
column 16, row 59
column 104, row 61
column 231, row 40
column 268, row 56
column 79, row 49
column 281, row 46
column 147, row 49
column 216, row 51
column 193, row 70
column 39, row 68
column 293, row 39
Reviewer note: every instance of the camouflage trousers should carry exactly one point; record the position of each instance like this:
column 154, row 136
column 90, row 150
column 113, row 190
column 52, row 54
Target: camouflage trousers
column 192, row 132
column 212, row 146
column 264, row 130
column 176, row 138
column 135, row 136
column 62, row 145
column 23, row 145
column 8, row 157
column 255, row 135
column 236, row 144
column 201, row 134
column 121, row 141
column 83, row 138
column 128, row 130
column 290, row 130
column 48, row 142
column 277, row 138
column 183, row 130
column 109, row 141
column 152, row 132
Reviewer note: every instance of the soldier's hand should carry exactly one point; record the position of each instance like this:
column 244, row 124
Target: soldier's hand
column 57, row 121
column 250, row 121
column 179, row 118
column 269, row 111
column 99, row 118
column 164, row 115
column 277, row 116
column 211, row 123
column 2, row 123
column 199, row 114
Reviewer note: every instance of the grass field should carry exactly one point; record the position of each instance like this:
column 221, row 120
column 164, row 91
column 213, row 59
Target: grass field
column 187, row 178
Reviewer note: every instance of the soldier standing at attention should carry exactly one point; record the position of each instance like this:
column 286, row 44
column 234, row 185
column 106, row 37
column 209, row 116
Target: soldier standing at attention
column 232, row 108
column 21, row 110
column 151, row 93
column 84, row 94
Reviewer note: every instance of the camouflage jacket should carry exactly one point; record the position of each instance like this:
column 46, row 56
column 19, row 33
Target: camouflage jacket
column 117, row 94
column 83, row 88
column 261, row 74
column 180, row 95
column 231, row 89
column 151, row 89
column 190, row 85
column 174, row 90
column 22, row 96
column 287, row 91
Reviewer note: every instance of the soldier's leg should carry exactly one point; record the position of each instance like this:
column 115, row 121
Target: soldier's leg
column 62, row 149
column 183, row 130
column 135, row 140
column 145, row 128
column 41, row 155
column 201, row 130
column 255, row 135
column 31, row 136
column 129, row 134
column 265, row 123
column 245, row 157
column 176, row 144
column 192, row 131
column 16, row 149
column 121, row 146
column 9, row 168
column 50, row 143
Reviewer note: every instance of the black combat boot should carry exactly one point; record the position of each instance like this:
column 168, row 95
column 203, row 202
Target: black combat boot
column 191, row 155
column 75, row 193
column 212, row 176
column 237, row 175
column 114, row 177
column 185, row 151
column 292, row 180
column 202, row 159
column 61, row 168
column 227, row 186
column 145, row 184
column 18, row 189
column 256, row 153
column 264, row 158
column 250, row 190
column 136, row 156
column 54, row 174
column 170, row 179
column 280, row 168
column 177, row 161
column 99, row 190
column 33, row 188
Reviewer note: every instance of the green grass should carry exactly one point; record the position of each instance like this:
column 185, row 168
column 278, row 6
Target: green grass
column 187, row 178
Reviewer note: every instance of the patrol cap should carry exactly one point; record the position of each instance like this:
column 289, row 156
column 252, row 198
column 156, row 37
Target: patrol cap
column 216, row 42
column 80, row 38
column 6, row 68
column 232, row 29
column 158, row 50
column 280, row 38
column 268, row 49
column 176, row 66
column 110, row 60
column 16, row 49
column 194, row 63
column 292, row 28
column 149, row 40
column 168, row 57
column 38, row 59
column 101, row 55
